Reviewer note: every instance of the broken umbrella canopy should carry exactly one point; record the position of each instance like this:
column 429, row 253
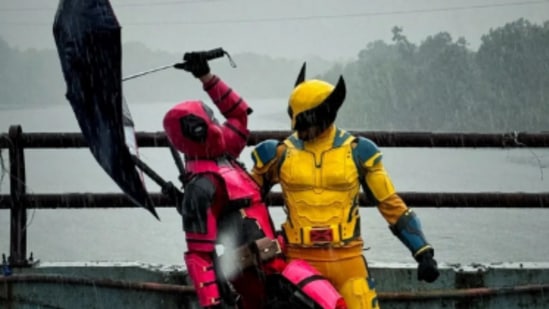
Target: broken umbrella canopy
column 87, row 35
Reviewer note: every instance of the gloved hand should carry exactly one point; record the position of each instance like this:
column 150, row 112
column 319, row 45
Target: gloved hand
column 427, row 269
column 171, row 190
column 196, row 63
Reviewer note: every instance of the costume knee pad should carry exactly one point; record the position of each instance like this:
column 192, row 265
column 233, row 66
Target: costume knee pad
column 311, row 283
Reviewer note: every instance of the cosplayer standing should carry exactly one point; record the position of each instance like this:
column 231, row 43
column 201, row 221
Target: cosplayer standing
column 222, row 205
column 320, row 169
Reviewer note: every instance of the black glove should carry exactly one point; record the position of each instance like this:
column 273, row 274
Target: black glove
column 196, row 63
column 427, row 269
column 171, row 191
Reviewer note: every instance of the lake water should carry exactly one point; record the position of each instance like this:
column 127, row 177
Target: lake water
column 458, row 235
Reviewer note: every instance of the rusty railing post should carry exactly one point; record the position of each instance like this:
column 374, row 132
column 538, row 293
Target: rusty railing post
column 18, row 229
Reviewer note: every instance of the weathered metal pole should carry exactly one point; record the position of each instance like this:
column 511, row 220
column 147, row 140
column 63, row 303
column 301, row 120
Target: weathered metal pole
column 18, row 210
column 383, row 139
column 498, row 200
column 403, row 296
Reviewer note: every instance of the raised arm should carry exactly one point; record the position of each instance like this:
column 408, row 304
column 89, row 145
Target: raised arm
column 231, row 105
column 235, row 110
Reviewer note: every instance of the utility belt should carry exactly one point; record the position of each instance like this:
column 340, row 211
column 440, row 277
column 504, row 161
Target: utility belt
column 254, row 254
column 333, row 234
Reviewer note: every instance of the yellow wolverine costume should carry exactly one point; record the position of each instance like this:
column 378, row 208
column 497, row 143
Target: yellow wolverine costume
column 321, row 169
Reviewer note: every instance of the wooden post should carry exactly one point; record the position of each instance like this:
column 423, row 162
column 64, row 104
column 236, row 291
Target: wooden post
column 18, row 230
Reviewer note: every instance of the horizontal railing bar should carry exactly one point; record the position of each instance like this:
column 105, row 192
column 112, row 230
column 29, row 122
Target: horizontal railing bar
column 431, row 139
column 383, row 139
column 159, row 287
column 415, row 199
column 98, row 283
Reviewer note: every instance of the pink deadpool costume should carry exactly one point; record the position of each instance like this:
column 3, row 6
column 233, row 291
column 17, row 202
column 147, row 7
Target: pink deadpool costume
column 222, row 205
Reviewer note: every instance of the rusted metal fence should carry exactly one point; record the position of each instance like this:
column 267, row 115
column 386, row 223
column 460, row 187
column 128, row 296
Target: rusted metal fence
column 18, row 201
column 190, row 290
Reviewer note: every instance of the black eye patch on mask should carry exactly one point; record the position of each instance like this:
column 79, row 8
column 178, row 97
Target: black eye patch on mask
column 194, row 128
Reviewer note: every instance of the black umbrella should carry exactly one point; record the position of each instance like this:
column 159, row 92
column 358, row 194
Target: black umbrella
column 87, row 35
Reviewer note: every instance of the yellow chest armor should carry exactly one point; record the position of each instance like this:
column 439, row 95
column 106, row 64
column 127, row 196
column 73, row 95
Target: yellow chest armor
column 321, row 195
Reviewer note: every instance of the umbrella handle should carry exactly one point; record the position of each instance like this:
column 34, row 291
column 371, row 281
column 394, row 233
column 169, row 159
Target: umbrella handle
column 179, row 163
column 167, row 187
column 209, row 55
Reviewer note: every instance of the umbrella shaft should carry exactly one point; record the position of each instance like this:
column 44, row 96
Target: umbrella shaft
column 147, row 72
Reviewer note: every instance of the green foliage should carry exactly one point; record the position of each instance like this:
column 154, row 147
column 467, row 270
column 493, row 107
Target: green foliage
column 32, row 77
column 441, row 85
column 514, row 63
column 437, row 85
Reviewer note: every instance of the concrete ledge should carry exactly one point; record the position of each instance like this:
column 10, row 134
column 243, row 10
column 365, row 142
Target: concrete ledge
column 136, row 285
column 497, row 285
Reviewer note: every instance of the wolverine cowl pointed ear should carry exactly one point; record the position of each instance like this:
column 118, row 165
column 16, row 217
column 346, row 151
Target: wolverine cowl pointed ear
column 301, row 75
column 299, row 80
column 336, row 98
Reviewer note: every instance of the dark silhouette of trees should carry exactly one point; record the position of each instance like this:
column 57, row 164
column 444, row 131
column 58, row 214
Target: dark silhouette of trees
column 441, row 85
column 29, row 78
column 514, row 65
column 437, row 85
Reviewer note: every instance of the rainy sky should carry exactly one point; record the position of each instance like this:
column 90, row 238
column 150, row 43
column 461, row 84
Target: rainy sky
column 283, row 28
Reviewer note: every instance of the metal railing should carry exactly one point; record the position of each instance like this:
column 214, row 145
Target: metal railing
column 18, row 201
column 177, row 289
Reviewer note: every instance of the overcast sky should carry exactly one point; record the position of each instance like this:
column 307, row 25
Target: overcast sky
column 331, row 29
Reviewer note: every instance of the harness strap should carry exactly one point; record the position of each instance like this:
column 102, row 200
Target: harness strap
column 262, row 250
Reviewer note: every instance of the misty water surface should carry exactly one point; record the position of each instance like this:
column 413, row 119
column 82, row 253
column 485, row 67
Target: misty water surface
column 458, row 235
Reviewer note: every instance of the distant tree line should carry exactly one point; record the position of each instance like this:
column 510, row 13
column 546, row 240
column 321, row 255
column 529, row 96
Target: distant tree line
column 437, row 85
column 441, row 85
column 255, row 76
column 34, row 77
column 29, row 78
